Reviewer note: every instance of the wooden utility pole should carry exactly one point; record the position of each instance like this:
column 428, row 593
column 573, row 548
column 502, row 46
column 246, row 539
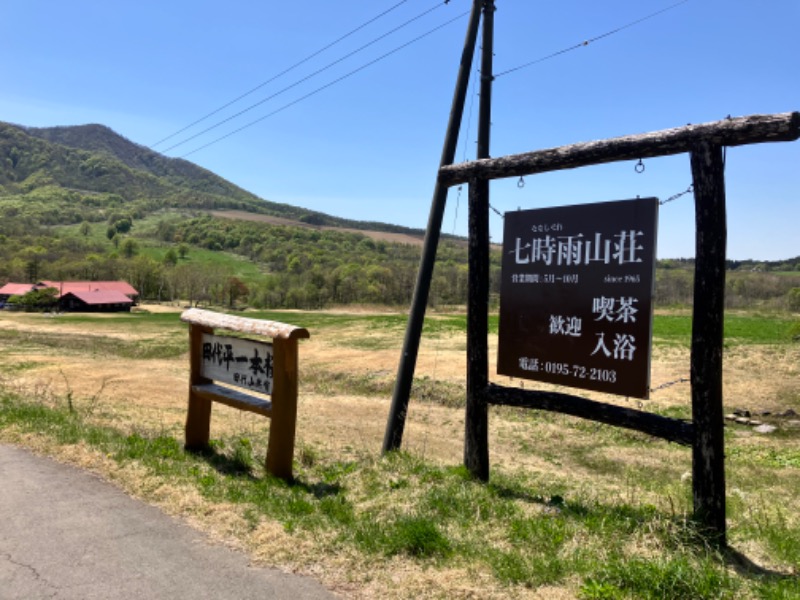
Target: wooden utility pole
column 476, row 442
column 393, row 437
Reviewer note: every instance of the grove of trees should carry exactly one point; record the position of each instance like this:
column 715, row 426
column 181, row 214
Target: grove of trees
column 84, row 203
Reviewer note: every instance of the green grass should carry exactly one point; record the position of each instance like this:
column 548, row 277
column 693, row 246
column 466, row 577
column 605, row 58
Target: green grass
column 739, row 329
column 133, row 321
column 526, row 531
column 667, row 329
column 396, row 323
column 232, row 264
column 681, row 576
column 16, row 367
column 520, row 530
column 424, row 389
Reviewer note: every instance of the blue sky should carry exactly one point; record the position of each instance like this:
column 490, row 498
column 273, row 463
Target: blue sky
column 368, row 147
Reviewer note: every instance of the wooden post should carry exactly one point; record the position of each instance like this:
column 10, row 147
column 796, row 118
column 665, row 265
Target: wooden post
column 708, row 453
column 396, row 422
column 476, row 430
column 198, row 416
column 280, row 451
column 476, row 434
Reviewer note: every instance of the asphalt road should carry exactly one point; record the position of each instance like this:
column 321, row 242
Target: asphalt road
column 66, row 534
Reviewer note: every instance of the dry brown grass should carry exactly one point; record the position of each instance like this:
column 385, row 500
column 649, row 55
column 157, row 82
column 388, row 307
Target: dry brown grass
column 150, row 395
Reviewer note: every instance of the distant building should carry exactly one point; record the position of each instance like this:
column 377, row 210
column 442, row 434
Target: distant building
column 65, row 287
column 14, row 289
column 95, row 301
column 80, row 296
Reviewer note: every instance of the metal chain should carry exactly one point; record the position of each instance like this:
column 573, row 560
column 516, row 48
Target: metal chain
column 689, row 190
column 669, row 384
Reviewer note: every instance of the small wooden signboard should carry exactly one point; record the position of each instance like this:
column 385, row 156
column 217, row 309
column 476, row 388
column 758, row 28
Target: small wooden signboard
column 266, row 371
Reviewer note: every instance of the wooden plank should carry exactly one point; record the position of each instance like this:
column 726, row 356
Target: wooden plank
column 672, row 430
column 754, row 129
column 708, row 453
column 235, row 398
column 273, row 329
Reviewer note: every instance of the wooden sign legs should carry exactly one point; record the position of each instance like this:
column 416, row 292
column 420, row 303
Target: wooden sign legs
column 280, row 449
column 198, row 416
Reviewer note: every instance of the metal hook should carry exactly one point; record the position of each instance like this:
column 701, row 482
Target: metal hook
column 521, row 182
column 639, row 168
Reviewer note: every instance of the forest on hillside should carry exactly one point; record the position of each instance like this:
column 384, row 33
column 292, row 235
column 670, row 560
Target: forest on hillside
column 168, row 259
column 199, row 259
column 68, row 175
column 85, row 203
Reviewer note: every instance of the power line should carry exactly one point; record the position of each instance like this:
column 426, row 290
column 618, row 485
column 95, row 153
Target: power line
column 466, row 136
column 590, row 40
column 284, row 72
column 306, row 78
column 330, row 84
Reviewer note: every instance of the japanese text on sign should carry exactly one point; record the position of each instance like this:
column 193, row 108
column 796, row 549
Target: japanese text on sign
column 243, row 363
column 576, row 295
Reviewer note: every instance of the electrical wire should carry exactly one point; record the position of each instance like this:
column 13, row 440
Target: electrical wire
column 306, row 78
column 473, row 95
column 590, row 40
column 282, row 73
column 329, row 84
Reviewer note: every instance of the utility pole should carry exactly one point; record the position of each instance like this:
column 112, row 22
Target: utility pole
column 476, row 427
column 395, row 425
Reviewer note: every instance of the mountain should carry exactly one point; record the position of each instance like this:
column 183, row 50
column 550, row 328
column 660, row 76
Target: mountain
column 99, row 139
column 84, row 203
column 62, row 175
column 92, row 166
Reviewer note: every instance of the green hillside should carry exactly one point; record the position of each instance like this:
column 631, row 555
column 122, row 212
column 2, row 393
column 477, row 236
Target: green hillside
column 62, row 175
column 81, row 173
column 85, row 203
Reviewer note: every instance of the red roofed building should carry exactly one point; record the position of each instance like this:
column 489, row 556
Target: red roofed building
column 80, row 295
column 14, row 289
column 65, row 287
column 95, row 301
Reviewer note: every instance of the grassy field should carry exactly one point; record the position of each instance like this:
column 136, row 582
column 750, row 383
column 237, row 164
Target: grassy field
column 573, row 509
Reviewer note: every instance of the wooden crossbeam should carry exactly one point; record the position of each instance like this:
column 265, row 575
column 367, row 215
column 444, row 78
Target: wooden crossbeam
column 754, row 129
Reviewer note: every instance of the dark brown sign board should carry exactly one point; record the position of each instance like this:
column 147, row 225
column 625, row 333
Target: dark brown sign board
column 576, row 295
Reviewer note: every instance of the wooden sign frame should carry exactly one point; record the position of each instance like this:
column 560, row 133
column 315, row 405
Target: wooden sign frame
column 281, row 407
column 705, row 144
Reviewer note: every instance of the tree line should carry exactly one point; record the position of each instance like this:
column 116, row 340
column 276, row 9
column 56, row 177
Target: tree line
column 297, row 267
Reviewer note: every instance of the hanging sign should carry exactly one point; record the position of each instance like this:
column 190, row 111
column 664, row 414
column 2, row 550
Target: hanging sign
column 240, row 362
column 576, row 296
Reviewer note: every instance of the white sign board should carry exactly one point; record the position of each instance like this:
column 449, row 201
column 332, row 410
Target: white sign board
column 239, row 362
